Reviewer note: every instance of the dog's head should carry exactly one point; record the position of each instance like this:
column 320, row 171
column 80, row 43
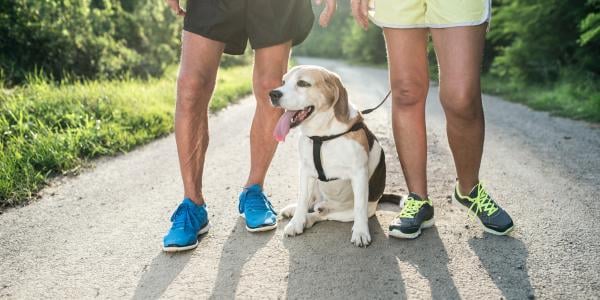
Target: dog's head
column 308, row 91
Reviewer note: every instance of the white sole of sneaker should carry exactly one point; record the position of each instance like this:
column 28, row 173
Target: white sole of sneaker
column 488, row 230
column 496, row 232
column 190, row 247
column 399, row 234
column 259, row 229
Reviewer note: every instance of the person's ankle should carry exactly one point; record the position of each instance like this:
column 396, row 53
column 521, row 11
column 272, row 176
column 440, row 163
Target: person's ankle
column 252, row 183
column 197, row 200
column 465, row 189
column 422, row 196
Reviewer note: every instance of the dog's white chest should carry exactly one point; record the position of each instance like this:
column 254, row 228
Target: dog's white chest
column 340, row 157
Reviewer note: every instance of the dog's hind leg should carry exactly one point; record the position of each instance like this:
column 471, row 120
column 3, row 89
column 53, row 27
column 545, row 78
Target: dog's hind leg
column 288, row 211
column 313, row 218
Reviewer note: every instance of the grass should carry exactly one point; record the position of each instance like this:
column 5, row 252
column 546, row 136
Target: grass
column 49, row 128
column 566, row 98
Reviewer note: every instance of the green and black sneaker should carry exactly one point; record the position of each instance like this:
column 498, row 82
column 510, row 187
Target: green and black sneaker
column 492, row 217
column 416, row 214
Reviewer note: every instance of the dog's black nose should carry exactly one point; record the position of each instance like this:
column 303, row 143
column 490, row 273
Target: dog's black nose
column 275, row 96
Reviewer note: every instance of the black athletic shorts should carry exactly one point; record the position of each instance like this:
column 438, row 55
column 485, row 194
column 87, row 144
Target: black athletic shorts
column 264, row 22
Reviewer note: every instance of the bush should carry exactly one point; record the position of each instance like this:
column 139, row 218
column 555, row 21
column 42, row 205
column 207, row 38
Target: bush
column 536, row 40
column 327, row 42
column 86, row 39
column 365, row 46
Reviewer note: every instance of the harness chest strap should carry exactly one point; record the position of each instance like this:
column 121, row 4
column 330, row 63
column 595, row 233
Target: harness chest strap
column 318, row 142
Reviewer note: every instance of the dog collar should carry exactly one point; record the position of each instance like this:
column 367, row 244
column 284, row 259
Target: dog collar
column 318, row 142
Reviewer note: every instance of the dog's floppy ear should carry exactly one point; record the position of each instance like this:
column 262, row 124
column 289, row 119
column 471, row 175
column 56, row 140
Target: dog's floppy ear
column 340, row 102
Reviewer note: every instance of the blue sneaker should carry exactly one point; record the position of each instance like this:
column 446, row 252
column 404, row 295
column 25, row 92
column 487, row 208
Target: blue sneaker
column 189, row 221
column 256, row 208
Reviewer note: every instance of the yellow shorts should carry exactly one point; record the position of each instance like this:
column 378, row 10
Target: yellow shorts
column 429, row 13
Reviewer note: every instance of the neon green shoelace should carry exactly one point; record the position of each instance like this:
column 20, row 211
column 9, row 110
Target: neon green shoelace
column 482, row 203
column 411, row 207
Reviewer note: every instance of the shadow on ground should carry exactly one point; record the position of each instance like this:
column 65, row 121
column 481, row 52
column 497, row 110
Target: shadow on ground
column 239, row 248
column 505, row 260
column 334, row 268
column 163, row 269
column 324, row 264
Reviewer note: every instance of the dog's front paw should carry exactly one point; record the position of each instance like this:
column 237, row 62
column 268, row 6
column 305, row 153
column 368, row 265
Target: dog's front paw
column 360, row 236
column 294, row 227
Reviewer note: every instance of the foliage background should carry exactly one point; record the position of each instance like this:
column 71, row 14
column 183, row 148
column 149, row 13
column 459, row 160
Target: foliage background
column 86, row 38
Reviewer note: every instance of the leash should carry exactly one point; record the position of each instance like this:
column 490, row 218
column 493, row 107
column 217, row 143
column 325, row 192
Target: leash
column 367, row 111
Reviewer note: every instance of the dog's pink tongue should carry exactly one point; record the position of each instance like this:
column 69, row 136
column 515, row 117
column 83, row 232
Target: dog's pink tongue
column 283, row 125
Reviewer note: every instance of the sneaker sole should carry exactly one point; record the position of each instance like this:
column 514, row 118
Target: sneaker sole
column 172, row 249
column 259, row 229
column 486, row 229
column 401, row 235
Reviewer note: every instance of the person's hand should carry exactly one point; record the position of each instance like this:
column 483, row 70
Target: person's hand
column 327, row 13
column 174, row 5
column 359, row 12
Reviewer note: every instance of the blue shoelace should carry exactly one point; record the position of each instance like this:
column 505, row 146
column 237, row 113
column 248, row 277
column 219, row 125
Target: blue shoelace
column 257, row 203
column 181, row 216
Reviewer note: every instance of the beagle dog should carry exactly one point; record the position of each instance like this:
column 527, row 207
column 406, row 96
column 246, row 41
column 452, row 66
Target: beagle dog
column 342, row 165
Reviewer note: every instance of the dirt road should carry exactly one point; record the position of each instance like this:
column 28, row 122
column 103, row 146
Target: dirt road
column 99, row 234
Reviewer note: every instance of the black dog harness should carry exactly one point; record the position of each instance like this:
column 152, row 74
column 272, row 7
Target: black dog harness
column 318, row 140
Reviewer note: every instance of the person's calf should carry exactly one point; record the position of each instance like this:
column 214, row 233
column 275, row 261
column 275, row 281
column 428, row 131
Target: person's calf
column 262, row 143
column 466, row 130
column 408, row 124
column 191, row 130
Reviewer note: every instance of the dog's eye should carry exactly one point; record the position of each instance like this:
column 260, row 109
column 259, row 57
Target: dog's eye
column 283, row 82
column 302, row 83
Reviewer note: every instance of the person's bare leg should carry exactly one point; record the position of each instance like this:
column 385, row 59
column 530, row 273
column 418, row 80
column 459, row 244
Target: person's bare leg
column 409, row 79
column 195, row 83
column 270, row 64
column 459, row 52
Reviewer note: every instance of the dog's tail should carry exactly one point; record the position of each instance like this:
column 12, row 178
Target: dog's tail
column 390, row 198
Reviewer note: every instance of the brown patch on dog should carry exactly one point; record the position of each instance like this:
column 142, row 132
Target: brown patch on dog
column 370, row 137
column 338, row 96
column 340, row 108
column 377, row 180
column 360, row 136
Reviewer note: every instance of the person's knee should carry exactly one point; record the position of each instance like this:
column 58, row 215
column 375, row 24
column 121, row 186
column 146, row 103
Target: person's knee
column 264, row 84
column 194, row 90
column 408, row 93
column 462, row 104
